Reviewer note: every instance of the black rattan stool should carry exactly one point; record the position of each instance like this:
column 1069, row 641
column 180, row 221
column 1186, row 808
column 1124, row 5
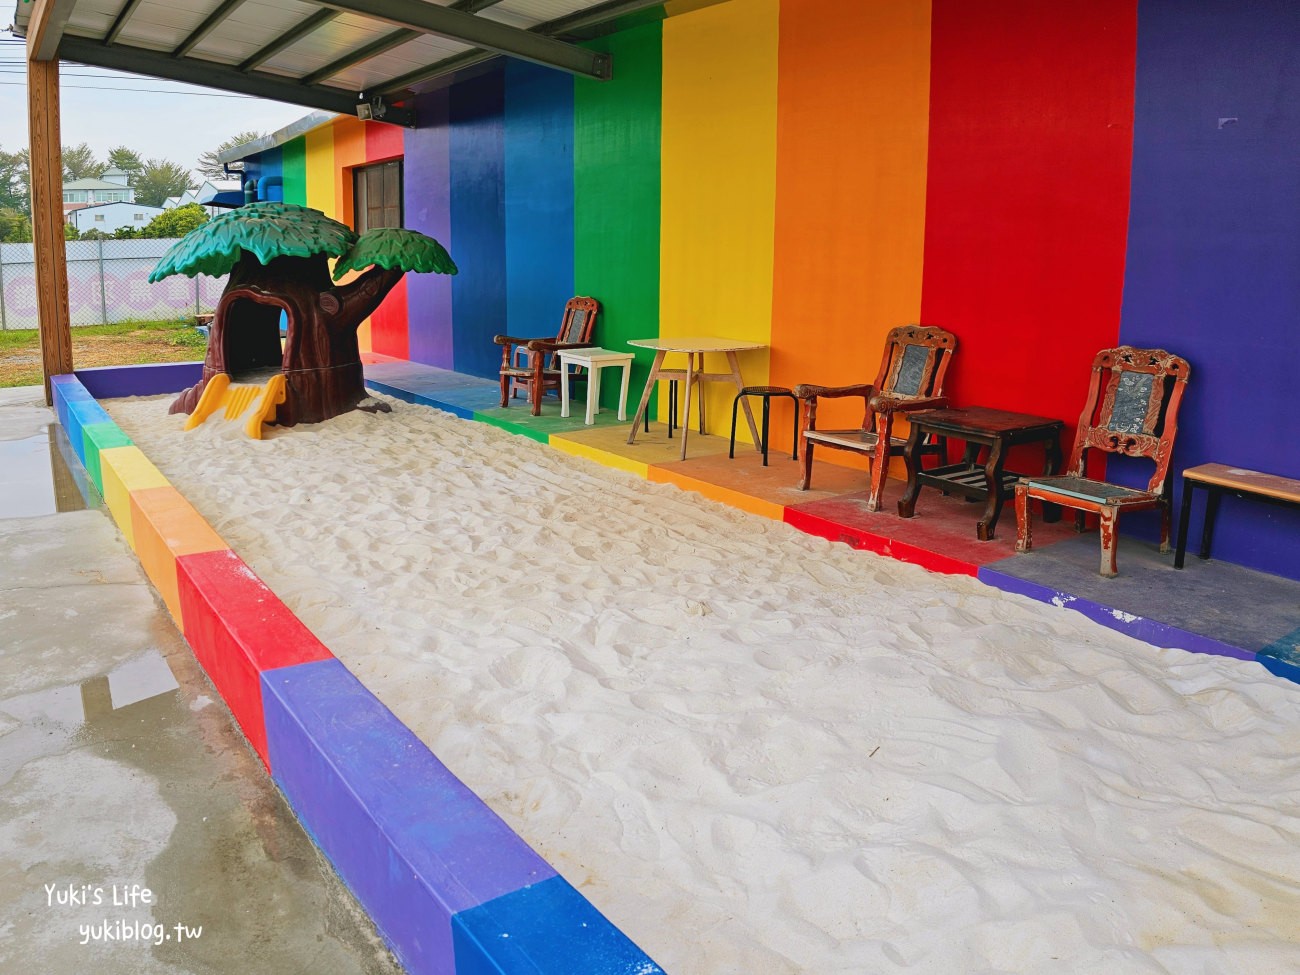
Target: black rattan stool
column 767, row 392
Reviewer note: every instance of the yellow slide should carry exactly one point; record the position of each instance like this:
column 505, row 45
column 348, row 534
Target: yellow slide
column 237, row 399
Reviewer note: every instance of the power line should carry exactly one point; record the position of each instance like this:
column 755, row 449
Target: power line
column 147, row 91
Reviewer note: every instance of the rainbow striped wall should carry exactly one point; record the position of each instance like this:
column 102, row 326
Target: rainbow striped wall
column 1044, row 180
column 450, row 887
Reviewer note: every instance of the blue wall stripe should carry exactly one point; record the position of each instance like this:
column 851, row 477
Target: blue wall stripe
column 538, row 197
column 478, row 295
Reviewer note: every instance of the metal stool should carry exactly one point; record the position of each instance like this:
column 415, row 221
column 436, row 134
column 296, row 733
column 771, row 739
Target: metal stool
column 767, row 392
column 672, row 410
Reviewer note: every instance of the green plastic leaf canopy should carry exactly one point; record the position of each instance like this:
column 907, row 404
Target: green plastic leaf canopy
column 393, row 248
column 265, row 230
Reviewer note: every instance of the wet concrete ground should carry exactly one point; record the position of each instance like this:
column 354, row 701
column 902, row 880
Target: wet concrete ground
column 138, row 832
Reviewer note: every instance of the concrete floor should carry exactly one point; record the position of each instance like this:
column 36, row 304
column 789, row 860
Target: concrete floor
column 121, row 771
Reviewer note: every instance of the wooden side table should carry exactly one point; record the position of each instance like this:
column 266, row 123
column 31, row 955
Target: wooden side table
column 1220, row 479
column 594, row 360
column 978, row 426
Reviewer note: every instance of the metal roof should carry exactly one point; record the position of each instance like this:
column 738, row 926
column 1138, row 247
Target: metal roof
column 324, row 54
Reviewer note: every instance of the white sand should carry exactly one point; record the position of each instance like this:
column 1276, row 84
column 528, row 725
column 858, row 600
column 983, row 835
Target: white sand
column 756, row 751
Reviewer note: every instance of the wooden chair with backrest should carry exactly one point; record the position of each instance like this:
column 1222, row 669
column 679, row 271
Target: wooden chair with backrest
column 532, row 364
column 911, row 378
column 1132, row 411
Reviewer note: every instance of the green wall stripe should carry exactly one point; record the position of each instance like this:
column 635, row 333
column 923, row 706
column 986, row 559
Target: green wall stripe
column 616, row 142
column 294, row 163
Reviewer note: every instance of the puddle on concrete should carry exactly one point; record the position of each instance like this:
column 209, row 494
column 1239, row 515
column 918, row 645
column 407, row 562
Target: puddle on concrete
column 42, row 475
column 142, row 689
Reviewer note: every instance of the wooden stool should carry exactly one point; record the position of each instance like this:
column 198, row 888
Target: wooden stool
column 766, row 392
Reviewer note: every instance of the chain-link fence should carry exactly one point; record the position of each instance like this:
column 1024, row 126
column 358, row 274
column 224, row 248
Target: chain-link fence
column 108, row 281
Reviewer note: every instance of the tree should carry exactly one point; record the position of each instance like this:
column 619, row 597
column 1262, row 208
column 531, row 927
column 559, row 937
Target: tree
column 128, row 161
column 15, row 227
column 277, row 255
column 79, row 162
column 127, row 233
column 70, row 232
column 210, row 166
column 14, row 185
column 176, row 222
column 94, row 233
column 159, row 179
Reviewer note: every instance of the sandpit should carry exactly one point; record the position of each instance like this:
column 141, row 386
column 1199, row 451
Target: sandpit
column 760, row 752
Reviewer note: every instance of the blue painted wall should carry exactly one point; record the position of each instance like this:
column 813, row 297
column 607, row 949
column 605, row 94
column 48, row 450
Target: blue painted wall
column 1213, row 269
column 538, row 197
column 477, row 146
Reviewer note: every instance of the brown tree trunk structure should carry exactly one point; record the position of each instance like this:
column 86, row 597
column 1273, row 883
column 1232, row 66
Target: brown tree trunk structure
column 321, row 360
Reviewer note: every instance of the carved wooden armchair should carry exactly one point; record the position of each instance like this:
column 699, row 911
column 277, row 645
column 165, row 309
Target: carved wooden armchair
column 911, row 378
column 1132, row 410
column 532, row 364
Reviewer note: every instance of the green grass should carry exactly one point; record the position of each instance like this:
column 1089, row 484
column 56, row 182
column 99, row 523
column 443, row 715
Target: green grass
column 120, row 344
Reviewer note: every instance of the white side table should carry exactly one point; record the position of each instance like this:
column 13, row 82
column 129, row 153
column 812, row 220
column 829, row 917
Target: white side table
column 594, row 360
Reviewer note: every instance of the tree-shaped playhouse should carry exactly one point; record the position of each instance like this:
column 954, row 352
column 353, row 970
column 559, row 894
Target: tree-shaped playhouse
column 277, row 257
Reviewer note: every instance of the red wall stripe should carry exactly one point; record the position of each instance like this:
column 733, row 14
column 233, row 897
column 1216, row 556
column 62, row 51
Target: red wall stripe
column 1031, row 125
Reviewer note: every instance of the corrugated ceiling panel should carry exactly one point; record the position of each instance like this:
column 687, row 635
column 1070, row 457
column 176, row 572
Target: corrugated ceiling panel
column 93, row 18
column 164, row 25
column 509, row 17
column 411, row 56
column 250, row 28
column 331, row 42
column 540, row 11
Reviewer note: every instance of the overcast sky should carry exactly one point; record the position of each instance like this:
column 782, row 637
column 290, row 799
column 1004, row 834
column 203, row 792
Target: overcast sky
column 158, row 119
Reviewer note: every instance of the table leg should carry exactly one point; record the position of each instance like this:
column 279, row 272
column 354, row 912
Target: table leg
column 1213, row 497
column 564, row 388
column 645, row 395
column 1184, row 516
column 593, row 393
column 1052, row 465
column 993, row 481
column 686, row 415
column 912, row 461
column 734, row 363
column 699, row 369
column 622, row 393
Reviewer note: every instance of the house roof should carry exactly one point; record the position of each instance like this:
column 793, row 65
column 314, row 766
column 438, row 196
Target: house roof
column 329, row 55
column 93, row 184
column 137, row 207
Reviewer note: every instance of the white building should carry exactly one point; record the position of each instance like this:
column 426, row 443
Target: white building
column 113, row 188
column 108, row 217
column 202, row 195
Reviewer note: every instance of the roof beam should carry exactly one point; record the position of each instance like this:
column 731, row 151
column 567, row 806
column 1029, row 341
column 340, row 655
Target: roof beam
column 45, row 26
column 212, row 22
column 290, row 37
column 371, row 50
column 428, row 18
column 122, row 17
column 561, row 25
column 210, row 74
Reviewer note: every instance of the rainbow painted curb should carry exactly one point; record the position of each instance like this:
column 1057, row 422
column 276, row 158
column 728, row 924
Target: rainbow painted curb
column 450, row 887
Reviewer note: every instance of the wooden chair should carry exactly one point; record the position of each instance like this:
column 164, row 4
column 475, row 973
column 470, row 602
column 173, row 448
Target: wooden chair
column 911, row 378
column 531, row 364
column 1132, row 410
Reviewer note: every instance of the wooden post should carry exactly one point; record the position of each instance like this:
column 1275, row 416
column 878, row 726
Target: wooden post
column 47, row 219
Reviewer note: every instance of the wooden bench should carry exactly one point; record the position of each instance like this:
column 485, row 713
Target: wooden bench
column 1220, row 479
